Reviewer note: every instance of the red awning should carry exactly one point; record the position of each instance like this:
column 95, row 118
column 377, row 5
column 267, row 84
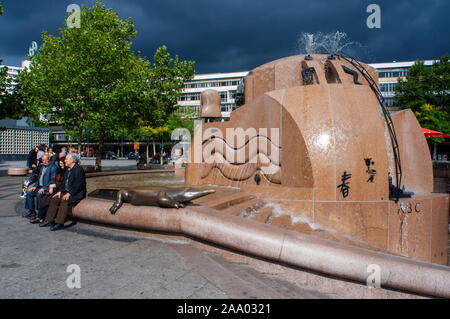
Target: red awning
column 430, row 133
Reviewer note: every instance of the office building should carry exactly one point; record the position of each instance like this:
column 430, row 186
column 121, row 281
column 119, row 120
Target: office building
column 388, row 74
column 225, row 83
column 18, row 137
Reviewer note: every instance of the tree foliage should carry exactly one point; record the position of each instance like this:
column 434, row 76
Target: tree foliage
column 164, row 133
column 4, row 83
column 434, row 118
column 90, row 77
column 166, row 81
column 426, row 92
column 11, row 105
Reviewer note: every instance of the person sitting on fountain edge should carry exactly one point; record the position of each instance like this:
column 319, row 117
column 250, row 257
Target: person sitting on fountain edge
column 32, row 158
column 45, row 177
column 69, row 193
column 45, row 201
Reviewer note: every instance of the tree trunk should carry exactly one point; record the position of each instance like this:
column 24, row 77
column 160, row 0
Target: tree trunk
column 98, row 160
column 146, row 160
column 80, row 136
column 154, row 148
column 161, row 152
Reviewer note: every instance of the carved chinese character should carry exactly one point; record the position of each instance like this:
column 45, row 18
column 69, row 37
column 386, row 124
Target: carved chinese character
column 345, row 189
column 370, row 171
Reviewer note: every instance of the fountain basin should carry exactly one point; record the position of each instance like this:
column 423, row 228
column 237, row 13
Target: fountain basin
column 276, row 244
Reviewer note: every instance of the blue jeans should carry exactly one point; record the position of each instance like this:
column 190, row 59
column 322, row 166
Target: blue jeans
column 29, row 199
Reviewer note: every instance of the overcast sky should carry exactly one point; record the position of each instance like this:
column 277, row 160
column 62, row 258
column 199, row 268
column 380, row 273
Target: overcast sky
column 239, row 35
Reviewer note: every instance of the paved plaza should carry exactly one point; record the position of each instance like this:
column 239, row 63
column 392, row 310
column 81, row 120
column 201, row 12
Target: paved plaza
column 34, row 263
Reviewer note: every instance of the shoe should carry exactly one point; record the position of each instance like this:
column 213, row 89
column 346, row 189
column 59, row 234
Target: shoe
column 46, row 224
column 35, row 220
column 32, row 216
column 56, row 227
column 29, row 214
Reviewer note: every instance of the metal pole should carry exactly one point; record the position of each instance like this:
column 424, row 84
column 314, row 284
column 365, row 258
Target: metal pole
column 121, row 149
column 434, row 150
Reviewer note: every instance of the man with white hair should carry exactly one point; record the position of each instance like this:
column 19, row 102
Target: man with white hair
column 69, row 193
column 63, row 152
column 41, row 151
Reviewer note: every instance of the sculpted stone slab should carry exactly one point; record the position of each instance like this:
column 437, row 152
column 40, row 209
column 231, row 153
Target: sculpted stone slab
column 17, row 171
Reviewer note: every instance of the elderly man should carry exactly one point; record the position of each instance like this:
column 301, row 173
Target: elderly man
column 69, row 193
column 63, row 152
column 40, row 186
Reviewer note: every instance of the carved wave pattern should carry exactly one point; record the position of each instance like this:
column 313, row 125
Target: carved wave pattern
column 253, row 156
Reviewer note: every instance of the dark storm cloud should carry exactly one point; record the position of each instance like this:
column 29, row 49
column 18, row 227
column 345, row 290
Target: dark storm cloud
column 225, row 36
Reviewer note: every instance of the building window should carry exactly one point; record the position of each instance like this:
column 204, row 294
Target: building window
column 223, row 96
column 60, row 137
column 189, row 97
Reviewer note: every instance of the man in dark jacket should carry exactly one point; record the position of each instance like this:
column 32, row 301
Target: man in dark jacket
column 69, row 193
column 32, row 158
column 39, row 186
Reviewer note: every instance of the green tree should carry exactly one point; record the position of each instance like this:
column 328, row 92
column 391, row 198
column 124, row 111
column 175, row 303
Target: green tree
column 166, row 81
column 434, row 118
column 161, row 133
column 10, row 100
column 3, row 71
column 441, row 83
column 4, row 83
column 416, row 90
column 426, row 93
column 89, row 77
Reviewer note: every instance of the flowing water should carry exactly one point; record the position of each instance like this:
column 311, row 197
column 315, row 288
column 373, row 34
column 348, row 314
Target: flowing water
column 336, row 42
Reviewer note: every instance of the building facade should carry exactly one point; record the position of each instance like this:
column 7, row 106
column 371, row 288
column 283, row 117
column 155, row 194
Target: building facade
column 225, row 83
column 13, row 72
column 388, row 74
column 18, row 137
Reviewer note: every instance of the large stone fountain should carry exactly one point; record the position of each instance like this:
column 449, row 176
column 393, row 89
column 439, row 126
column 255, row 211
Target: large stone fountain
column 335, row 156
column 313, row 172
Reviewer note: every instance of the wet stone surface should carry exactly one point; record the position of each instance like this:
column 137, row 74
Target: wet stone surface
column 134, row 181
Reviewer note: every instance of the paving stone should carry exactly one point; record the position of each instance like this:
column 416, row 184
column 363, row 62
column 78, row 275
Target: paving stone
column 208, row 291
column 183, row 287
